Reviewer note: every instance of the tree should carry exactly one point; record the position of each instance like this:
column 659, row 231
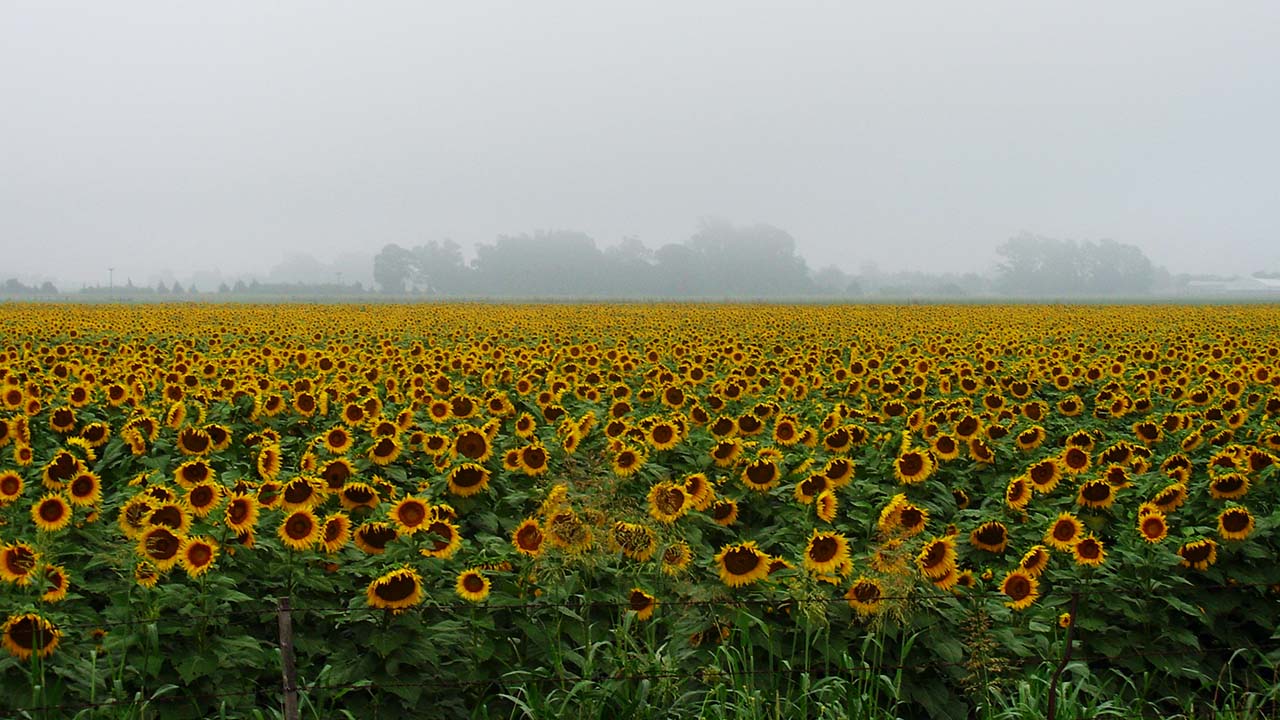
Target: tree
column 1040, row 266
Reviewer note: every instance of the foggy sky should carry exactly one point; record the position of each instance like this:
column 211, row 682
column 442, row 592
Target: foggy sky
column 193, row 136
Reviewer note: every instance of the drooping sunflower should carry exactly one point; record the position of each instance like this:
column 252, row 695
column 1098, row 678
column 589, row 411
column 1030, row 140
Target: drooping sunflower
column 699, row 490
column 1021, row 588
column 145, row 574
column 911, row 519
column 641, row 603
column 676, row 558
column 18, row 562
column 1199, row 554
column 527, row 538
column 1230, row 486
column 1035, row 560
column 447, row 539
column 193, row 472
column 1030, row 439
column 269, row 461
column 826, row 505
column 724, row 512
column 1017, row 494
column 742, row 564
column 373, row 537
column 726, row 452
column 472, row 585
column 1170, row 498
column 161, row 546
column 198, row 554
column 56, row 584
column 865, row 596
column 335, row 532
column 992, row 537
column 58, row 471
column 1064, row 532
column 937, row 557
column 300, row 530
column 1235, row 523
column 356, row 495
column 827, row 552
column 1045, row 475
column 51, row 513
column 1098, row 494
column 636, row 541
column 668, row 502
column 29, row 635
column 1089, row 551
column 397, row 590
column 242, row 513
column 468, row 479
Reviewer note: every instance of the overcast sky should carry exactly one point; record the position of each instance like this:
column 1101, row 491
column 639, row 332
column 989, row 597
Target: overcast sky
column 189, row 136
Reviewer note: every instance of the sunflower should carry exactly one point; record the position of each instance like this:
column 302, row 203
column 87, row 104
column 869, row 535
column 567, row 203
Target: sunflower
column 761, row 475
column 826, row 505
column 171, row 515
column 1030, row 439
column 160, row 546
column 1045, row 475
column 726, row 452
column 676, row 558
column 1170, row 498
column 18, row 562
column 1017, row 494
column 742, row 564
column 699, row 490
column 1199, row 554
column 269, row 461
column 11, row 485
column 472, row 444
column 724, row 512
column 198, row 554
column 1089, row 551
column 335, row 532
column 668, row 502
column 51, row 513
column 1021, row 588
column 635, row 540
column 865, row 596
column 300, row 530
column 194, row 441
column 85, row 489
column 396, row 590
column 1231, row 486
column 61, row 469
column 827, row 552
column 57, row 582
column 145, row 574
column 409, row 515
column 839, row 471
column 472, row 585
column 300, row 493
column 1035, row 560
column 663, row 435
column 446, row 542
column 627, row 462
column 1075, row 460
column 1064, row 532
column 913, row 466
column 641, row 603
column 1153, row 527
column 468, row 479
column 338, row 440
column 527, row 538
column 373, row 537
column 29, row 635
column 202, row 498
column 533, row 459
column 937, row 557
column 992, row 537
column 192, row 472
column 242, row 513
column 356, row 495
column 1235, row 523
column 62, row 420
column 1098, row 494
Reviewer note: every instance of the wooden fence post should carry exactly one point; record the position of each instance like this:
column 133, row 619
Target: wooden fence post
column 288, row 672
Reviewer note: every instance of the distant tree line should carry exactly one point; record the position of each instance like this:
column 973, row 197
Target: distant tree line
column 14, row 287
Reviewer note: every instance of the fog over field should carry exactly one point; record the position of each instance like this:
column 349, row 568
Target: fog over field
column 170, row 139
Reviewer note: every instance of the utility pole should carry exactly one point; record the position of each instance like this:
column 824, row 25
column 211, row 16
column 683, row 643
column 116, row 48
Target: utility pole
column 111, row 278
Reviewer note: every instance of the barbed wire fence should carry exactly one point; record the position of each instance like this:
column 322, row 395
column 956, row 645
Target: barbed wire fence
column 291, row 692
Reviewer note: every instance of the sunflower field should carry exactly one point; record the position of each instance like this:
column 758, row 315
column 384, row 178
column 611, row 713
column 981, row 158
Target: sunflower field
column 520, row 510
